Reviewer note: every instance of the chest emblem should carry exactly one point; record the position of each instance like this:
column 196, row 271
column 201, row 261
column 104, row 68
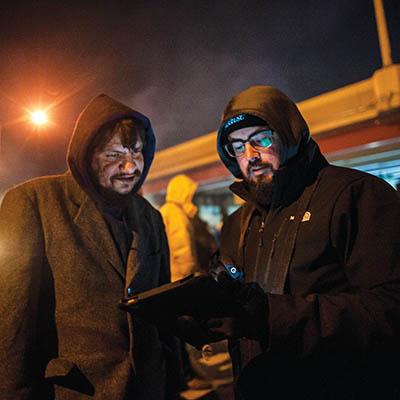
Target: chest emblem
column 306, row 216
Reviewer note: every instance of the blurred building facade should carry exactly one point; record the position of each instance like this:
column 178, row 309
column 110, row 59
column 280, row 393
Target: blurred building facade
column 356, row 126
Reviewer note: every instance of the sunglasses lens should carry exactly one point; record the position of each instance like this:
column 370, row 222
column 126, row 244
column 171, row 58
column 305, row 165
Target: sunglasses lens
column 259, row 141
column 262, row 140
column 266, row 142
column 235, row 148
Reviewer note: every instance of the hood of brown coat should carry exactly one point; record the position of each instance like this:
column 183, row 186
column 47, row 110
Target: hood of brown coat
column 101, row 110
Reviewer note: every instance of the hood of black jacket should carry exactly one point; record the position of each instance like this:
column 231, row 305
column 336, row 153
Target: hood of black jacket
column 300, row 156
column 101, row 110
column 277, row 110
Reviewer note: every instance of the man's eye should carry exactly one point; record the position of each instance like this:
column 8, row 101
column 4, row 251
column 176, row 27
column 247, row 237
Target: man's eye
column 263, row 139
column 237, row 145
column 264, row 142
column 112, row 155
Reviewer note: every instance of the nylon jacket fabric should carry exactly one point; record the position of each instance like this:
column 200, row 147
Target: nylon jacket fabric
column 178, row 213
column 333, row 286
column 62, row 334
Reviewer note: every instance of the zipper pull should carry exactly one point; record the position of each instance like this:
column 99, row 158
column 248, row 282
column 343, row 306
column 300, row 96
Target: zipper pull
column 261, row 233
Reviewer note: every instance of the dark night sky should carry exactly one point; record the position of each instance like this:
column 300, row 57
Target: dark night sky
column 177, row 61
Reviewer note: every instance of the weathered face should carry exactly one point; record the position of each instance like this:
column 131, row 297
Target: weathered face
column 257, row 165
column 118, row 168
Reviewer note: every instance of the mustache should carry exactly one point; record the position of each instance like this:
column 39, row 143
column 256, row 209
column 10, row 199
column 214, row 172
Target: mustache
column 259, row 163
column 135, row 174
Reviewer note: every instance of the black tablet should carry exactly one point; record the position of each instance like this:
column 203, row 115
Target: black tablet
column 158, row 296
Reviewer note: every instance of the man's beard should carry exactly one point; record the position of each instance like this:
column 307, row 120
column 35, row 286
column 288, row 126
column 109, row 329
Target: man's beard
column 261, row 191
column 112, row 197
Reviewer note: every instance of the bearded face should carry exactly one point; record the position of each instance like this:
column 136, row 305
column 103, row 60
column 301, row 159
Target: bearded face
column 262, row 190
column 117, row 169
column 258, row 165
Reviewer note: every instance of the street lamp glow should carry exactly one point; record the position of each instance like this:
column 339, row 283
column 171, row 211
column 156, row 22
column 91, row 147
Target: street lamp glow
column 39, row 117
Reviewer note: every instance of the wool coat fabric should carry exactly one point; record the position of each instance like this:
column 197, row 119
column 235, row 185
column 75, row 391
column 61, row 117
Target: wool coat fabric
column 326, row 252
column 62, row 334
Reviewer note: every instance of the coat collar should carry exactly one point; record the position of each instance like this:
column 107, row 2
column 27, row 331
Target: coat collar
column 90, row 221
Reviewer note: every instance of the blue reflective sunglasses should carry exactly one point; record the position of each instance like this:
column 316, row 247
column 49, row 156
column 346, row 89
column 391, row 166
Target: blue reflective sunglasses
column 258, row 140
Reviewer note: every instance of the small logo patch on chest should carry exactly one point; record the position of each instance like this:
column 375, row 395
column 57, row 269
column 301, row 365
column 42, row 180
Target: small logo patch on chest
column 306, row 216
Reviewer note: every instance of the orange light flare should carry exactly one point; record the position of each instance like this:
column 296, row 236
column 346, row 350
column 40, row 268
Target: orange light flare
column 39, row 117
column 38, row 122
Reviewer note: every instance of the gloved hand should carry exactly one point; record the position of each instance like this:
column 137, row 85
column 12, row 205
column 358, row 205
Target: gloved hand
column 205, row 298
column 195, row 332
column 251, row 318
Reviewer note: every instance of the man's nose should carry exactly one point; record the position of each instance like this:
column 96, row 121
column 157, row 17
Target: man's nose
column 250, row 152
column 128, row 163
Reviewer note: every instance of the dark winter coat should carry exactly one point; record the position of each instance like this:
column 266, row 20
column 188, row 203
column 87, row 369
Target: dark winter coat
column 62, row 333
column 327, row 254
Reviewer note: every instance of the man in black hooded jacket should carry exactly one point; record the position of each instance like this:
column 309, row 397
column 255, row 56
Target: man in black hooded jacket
column 320, row 249
column 71, row 246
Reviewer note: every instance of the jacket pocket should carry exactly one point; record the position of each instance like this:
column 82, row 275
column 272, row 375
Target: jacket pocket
column 58, row 367
column 63, row 372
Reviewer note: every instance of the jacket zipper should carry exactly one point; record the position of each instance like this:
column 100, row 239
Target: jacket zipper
column 261, row 232
column 260, row 244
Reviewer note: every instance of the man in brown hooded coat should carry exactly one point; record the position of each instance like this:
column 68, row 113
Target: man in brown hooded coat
column 71, row 246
